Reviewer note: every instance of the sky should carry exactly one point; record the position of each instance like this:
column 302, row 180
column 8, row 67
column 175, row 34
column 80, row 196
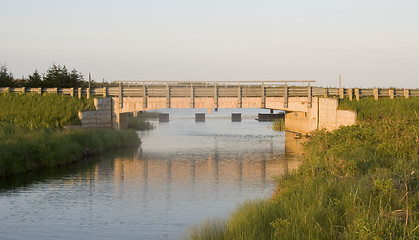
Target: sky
column 372, row 43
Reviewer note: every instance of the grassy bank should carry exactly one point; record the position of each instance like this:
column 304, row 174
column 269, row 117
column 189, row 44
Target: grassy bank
column 31, row 134
column 24, row 150
column 358, row 182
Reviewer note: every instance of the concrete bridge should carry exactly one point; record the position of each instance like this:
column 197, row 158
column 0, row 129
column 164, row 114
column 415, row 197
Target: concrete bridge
column 307, row 107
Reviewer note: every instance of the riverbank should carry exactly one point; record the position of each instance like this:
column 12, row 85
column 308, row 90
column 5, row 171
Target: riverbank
column 357, row 182
column 32, row 137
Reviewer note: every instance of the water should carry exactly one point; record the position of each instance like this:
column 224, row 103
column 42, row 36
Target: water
column 183, row 174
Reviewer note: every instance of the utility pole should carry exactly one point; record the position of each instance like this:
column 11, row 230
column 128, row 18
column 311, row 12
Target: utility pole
column 90, row 79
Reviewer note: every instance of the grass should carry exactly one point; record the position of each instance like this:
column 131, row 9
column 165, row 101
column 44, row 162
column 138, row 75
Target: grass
column 41, row 111
column 24, row 150
column 139, row 124
column 357, row 182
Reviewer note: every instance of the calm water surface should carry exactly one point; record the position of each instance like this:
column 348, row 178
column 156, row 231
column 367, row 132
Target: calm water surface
column 183, row 174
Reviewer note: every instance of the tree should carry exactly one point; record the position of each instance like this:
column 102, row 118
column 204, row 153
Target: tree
column 35, row 80
column 6, row 78
column 60, row 77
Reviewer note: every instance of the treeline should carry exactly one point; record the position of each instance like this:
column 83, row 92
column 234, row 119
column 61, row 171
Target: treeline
column 56, row 76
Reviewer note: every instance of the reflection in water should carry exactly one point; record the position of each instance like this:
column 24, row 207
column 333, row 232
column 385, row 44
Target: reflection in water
column 183, row 174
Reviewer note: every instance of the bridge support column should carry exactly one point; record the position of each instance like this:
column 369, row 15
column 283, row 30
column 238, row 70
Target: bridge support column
column 199, row 117
column 236, row 117
column 163, row 117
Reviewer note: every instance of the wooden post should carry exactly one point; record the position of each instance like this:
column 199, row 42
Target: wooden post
column 7, row 89
column 285, row 95
column 192, row 96
column 39, row 90
column 375, row 93
column 55, row 90
column 144, row 96
column 262, row 98
column 239, row 96
column 350, row 94
column 71, row 92
column 88, row 93
column 121, row 96
column 341, row 96
column 406, row 93
column 215, row 96
column 391, row 93
column 357, row 94
column 79, row 91
column 105, row 91
column 325, row 92
column 23, row 90
column 310, row 97
column 167, row 95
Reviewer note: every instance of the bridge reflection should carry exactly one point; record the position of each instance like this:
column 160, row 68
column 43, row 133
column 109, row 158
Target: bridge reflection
column 215, row 172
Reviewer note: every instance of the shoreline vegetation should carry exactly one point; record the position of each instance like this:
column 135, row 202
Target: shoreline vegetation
column 32, row 135
column 357, row 182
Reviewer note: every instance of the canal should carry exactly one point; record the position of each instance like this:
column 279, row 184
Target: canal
column 184, row 173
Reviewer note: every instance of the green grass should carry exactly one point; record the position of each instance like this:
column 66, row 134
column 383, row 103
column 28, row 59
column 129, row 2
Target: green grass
column 358, row 182
column 24, row 150
column 41, row 111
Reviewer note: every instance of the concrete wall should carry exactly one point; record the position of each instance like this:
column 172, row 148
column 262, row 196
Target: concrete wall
column 322, row 115
column 101, row 118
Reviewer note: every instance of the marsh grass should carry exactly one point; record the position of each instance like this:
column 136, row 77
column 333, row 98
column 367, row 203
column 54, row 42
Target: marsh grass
column 357, row 182
column 24, row 150
column 139, row 124
column 42, row 111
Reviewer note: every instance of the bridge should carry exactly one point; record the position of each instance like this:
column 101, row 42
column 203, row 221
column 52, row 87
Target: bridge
column 307, row 107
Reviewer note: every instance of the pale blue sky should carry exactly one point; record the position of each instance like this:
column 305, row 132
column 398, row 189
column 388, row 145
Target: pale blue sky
column 372, row 43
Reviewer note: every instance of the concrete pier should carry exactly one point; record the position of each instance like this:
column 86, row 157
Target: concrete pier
column 163, row 117
column 236, row 117
column 199, row 117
